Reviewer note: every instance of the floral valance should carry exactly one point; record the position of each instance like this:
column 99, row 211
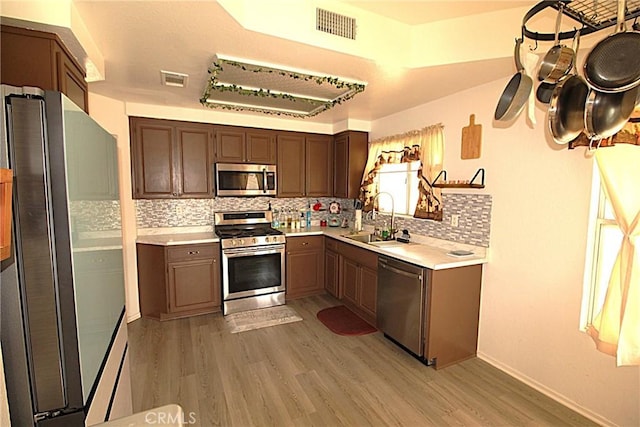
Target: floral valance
column 426, row 145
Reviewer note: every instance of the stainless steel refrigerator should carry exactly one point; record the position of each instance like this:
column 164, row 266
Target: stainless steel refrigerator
column 57, row 320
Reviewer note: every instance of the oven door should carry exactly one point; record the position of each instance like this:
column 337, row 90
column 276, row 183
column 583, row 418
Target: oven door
column 249, row 272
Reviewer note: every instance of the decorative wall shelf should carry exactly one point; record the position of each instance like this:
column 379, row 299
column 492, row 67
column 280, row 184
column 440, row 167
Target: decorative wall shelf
column 457, row 184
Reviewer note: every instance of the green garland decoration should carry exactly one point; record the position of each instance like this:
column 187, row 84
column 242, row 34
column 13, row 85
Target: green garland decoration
column 217, row 67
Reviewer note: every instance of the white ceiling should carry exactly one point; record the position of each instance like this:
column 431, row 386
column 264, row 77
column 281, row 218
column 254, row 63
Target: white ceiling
column 425, row 11
column 139, row 38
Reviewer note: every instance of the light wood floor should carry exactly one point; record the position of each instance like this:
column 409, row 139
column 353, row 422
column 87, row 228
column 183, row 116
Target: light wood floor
column 303, row 374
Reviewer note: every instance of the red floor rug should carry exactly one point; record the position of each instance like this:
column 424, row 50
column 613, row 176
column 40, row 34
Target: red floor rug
column 342, row 321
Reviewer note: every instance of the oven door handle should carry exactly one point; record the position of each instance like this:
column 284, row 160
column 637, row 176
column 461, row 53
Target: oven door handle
column 253, row 251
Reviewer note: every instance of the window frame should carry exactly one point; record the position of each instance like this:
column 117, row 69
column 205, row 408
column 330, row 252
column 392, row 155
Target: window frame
column 598, row 221
column 412, row 192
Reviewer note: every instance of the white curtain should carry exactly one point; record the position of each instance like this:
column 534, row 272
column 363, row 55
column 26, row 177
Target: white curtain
column 431, row 156
column 426, row 145
column 616, row 329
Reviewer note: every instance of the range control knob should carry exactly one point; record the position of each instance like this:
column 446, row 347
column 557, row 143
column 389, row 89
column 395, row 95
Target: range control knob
column 242, row 241
column 255, row 240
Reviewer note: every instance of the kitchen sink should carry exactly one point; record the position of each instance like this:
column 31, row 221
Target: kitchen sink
column 387, row 243
column 373, row 240
column 364, row 238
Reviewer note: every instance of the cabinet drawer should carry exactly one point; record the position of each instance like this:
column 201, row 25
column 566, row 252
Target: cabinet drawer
column 361, row 256
column 304, row 243
column 187, row 252
column 331, row 244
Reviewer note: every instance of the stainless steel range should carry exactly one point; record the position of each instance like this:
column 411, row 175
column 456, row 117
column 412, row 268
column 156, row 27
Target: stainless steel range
column 253, row 270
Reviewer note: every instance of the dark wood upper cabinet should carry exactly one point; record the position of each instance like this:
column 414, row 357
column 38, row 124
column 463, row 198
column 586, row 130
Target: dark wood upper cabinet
column 261, row 147
column 230, row 145
column 350, row 157
column 291, row 165
column 245, row 145
column 319, row 165
column 195, row 156
column 305, row 165
column 40, row 59
column 171, row 159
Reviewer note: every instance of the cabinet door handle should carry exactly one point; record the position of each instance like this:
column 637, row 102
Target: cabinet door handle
column 194, row 252
column 305, row 243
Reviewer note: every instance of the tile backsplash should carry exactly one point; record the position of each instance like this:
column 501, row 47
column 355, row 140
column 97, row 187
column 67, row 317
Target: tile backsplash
column 473, row 228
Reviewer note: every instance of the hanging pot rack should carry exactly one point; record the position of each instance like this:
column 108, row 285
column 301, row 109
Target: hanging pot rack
column 594, row 15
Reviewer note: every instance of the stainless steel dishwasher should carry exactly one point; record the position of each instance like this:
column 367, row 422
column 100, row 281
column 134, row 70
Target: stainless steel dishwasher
column 402, row 292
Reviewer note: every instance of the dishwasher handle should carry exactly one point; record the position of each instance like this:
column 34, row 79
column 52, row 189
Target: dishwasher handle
column 401, row 272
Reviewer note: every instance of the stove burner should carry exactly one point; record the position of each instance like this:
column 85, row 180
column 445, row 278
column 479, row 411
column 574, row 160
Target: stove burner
column 231, row 232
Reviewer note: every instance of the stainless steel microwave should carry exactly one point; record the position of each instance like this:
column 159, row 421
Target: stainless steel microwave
column 237, row 179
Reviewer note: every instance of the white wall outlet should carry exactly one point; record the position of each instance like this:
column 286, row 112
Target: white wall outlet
column 179, row 210
column 454, row 220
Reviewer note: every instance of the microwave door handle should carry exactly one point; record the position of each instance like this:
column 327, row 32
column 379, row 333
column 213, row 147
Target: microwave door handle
column 264, row 180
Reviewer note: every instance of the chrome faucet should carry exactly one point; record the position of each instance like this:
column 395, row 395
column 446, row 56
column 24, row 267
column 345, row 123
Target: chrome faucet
column 392, row 231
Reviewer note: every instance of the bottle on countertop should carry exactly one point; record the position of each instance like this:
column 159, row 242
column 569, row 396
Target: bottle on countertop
column 385, row 231
column 308, row 215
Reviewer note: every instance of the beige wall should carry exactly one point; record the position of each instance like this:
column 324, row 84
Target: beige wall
column 532, row 286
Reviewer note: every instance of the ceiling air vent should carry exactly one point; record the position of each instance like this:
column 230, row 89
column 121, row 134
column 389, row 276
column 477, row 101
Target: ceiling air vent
column 336, row 24
column 170, row 78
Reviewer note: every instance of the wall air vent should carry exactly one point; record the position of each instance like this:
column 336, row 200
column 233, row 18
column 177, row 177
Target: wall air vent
column 170, row 78
column 336, row 24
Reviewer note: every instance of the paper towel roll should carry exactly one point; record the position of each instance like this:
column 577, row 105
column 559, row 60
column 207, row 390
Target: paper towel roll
column 357, row 223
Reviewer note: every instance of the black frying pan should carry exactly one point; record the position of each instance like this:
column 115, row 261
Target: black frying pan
column 516, row 93
column 613, row 65
column 545, row 91
column 605, row 114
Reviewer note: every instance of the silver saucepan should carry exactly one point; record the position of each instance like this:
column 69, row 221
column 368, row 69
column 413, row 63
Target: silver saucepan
column 566, row 107
column 558, row 60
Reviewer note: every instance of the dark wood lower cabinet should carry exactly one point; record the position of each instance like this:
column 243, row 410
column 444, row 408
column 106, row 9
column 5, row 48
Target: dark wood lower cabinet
column 368, row 296
column 305, row 266
column 332, row 273
column 453, row 311
column 178, row 281
column 351, row 275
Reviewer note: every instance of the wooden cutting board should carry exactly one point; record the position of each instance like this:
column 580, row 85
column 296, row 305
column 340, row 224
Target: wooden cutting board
column 471, row 140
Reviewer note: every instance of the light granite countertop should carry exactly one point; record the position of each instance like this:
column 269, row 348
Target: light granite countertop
column 423, row 251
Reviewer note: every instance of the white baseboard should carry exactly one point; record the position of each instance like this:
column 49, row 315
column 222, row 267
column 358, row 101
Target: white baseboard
column 596, row 418
column 133, row 316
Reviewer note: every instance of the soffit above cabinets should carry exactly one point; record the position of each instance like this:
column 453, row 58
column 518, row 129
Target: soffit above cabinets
column 240, row 84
